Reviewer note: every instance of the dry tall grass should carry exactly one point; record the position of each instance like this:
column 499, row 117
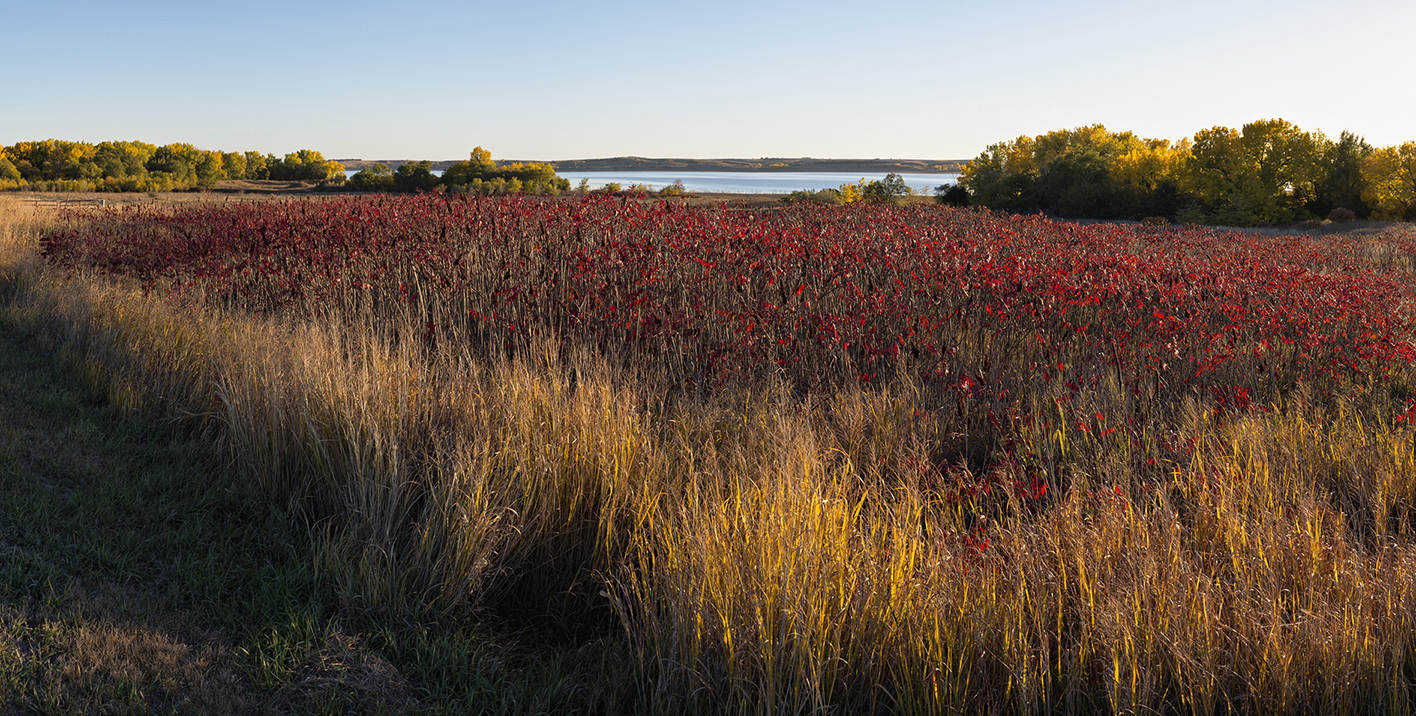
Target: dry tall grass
column 765, row 554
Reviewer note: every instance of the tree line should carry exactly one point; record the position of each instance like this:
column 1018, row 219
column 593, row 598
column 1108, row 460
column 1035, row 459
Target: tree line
column 1268, row 172
column 478, row 175
column 889, row 190
column 57, row 165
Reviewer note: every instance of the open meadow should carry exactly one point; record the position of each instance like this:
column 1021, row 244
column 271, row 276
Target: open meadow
column 867, row 458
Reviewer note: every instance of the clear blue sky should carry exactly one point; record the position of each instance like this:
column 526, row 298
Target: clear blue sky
column 559, row 80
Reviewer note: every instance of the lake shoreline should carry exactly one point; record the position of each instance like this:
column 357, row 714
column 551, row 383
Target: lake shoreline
column 764, row 164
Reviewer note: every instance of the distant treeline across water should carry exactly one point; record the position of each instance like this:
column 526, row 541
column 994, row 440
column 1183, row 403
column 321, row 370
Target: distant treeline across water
column 745, row 182
column 753, row 182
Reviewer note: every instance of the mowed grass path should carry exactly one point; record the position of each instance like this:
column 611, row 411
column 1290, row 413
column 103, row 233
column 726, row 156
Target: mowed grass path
column 138, row 576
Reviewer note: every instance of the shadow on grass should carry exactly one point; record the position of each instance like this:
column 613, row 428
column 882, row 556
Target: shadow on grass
column 137, row 575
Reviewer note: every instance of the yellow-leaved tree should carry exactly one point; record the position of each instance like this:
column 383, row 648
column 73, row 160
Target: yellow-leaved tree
column 9, row 175
column 1147, row 166
column 1390, row 178
column 850, row 193
column 1004, row 176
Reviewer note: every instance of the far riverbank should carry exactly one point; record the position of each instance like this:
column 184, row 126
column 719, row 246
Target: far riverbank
column 763, row 164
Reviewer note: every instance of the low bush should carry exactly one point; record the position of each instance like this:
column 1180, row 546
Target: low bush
column 822, row 196
column 951, row 194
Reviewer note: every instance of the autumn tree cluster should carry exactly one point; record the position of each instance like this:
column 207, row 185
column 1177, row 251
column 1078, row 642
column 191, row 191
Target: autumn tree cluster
column 889, row 190
column 478, row 175
column 56, row 165
column 1268, row 172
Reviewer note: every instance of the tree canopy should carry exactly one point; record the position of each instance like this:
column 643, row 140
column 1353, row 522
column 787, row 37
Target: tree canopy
column 1267, row 172
column 480, row 175
column 58, row 165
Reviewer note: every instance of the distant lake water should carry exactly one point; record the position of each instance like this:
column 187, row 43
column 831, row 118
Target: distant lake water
column 753, row 182
column 747, row 182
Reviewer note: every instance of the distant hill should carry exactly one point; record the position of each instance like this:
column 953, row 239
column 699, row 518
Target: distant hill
column 764, row 164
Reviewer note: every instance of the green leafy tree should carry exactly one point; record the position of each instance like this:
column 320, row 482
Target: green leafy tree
column 479, row 166
column 1075, row 175
column 209, row 169
column 951, row 194
column 123, row 160
column 533, row 178
column 54, row 160
column 885, row 191
column 1285, row 162
column 806, row 196
column 233, row 165
column 1004, row 176
column 176, row 162
column 1221, row 179
column 8, row 173
column 1342, row 183
column 305, row 165
column 479, row 169
column 257, row 165
column 137, row 166
column 415, row 176
column 373, row 177
column 1268, row 173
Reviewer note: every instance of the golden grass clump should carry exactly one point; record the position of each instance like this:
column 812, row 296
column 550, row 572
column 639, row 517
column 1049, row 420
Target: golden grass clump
column 1241, row 585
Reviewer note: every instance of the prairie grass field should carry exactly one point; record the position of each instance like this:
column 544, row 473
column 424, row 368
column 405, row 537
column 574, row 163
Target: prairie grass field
column 863, row 459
